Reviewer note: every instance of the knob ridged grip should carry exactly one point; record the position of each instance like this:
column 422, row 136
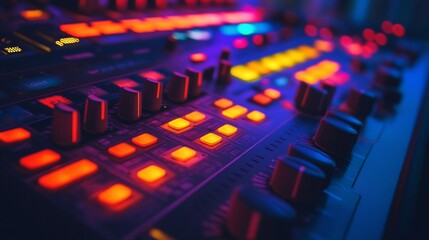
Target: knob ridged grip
column 347, row 118
column 178, row 88
column 297, row 181
column 195, row 82
column 255, row 214
column 360, row 103
column 335, row 137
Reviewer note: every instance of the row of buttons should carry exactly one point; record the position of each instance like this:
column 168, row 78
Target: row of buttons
column 157, row 24
column 253, row 70
column 266, row 97
column 318, row 72
column 237, row 111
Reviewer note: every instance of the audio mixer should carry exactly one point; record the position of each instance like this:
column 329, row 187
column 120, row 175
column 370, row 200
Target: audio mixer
column 201, row 120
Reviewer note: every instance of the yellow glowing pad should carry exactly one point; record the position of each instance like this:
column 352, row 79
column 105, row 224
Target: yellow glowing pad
column 211, row 139
column 256, row 116
column 227, row 130
column 195, row 116
column 284, row 60
column 234, row 112
column 115, row 194
column 271, row 63
column 122, row 150
column 151, row 173
column 183, row 154
column 223, row 103
column 244, row 73
column 272, row 93
column 258, row 67
column 179, row 124
column 144, row 140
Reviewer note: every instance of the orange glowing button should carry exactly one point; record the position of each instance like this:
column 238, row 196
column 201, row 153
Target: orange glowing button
column 198, row 57
column 154, row 75
column 125, row 83
column 145, row 140
column 180, row 22
column 39, row 159
column 256, row 116
column 211, row 139
column 151, row 173
column 195, row 116
column 115, row 194
column 80, row 30
column 227, row 130
column 34, row 15
column 137, row 25
column 122, row 150
column 272, row 93
column 179, row 124
column 223, row 103
column 234, row 112
column 14, row 135
column 183, row 154
column 109, row 27
column 261, row 99
column 258, row 67
column 161, row 24
column 52, row 101
column 68, row 174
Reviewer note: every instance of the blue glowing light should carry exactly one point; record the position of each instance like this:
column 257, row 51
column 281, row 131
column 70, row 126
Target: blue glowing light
column 179, row 36
column 246, row 29
column 199, row 35
column 281, row 81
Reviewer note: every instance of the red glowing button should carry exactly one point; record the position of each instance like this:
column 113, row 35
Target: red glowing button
column 380, row 39
column 125, row 83
column 67, row 175
column 261, row 99
column 310, row 30
column 52, row 101
column 386, row 26
column 154, row 75
column 198, row 57
column 34, row 15
column 14, row 135
column 240, row 43
column 368, row 34
column 398, row 30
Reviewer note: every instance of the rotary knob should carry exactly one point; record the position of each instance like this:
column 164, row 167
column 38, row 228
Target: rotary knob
column 65, row 125
column 224, row 73
column 310, row 99
column 152, row 95
column 297, row 181
column 258, row 215
column 130, row 102
column 347, row 118
column 315, row 156
column 225, row 54
column 178, row 88
column 360, row 103
column 96, row 115
column 387, row 77
column 195, row 82
column 335, row 137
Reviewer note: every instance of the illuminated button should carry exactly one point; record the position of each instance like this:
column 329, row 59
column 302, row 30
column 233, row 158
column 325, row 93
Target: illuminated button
column 151, row 173
column 39, row 159
column 53, row 100
column 234, row 112
column 34, row 15
column 272, row 93
column 261, row 99
column 179, row 124
column 144, row 140
column 284, row 60
column 68, row 174
column 223, row 103
column 296, row 56
column 244, row 73
column 258, row 67
column 109, row 27
column 195, row 116
column 122, row 150
column 256, row 116
column 14, row 135
column 183, row 154
column 198, row 57
column 115, row 194
column 211, row 139
column 154, row 75
column 271, row 64
column 227, row 130
column 80, row 30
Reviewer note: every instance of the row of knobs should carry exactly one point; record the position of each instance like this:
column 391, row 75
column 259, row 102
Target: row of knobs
column 299, row 178
column 132, row 103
